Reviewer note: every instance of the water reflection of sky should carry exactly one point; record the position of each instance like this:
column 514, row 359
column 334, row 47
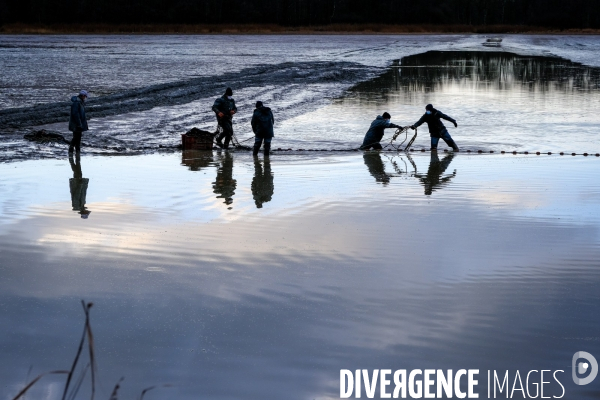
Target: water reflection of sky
column 494, row 269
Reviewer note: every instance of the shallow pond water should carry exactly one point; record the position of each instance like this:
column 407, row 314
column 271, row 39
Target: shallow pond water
column 223, row 276
column 229, row 277
column 502, row 101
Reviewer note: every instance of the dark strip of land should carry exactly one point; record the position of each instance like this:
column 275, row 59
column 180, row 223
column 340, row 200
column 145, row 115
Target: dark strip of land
column 17, row 28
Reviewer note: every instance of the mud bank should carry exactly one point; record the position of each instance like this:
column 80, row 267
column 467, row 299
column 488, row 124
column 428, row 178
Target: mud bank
column 177, row 93
column 522, row 94
column 293, row 88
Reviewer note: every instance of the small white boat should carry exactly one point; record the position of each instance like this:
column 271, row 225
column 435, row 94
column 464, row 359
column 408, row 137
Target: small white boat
column 493, row 42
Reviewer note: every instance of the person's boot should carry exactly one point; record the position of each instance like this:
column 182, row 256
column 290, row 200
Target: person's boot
column 452, row 144
column 219, row 141
column 227, row 140
column 255, row 150
column 267, row 149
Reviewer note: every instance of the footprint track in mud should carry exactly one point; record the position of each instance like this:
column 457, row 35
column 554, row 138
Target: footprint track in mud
column 182, row 92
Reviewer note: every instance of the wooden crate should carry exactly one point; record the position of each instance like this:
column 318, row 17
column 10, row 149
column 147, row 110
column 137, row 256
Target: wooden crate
column 204, row 142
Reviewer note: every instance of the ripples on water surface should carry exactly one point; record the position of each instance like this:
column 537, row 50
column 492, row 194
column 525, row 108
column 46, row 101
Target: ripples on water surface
column 234, row 278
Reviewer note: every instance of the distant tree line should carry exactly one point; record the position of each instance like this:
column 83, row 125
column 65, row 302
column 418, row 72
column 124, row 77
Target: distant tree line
column 579, row 14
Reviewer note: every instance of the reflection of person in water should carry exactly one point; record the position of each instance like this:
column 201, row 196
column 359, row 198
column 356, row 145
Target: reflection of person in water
column 78, row 186
column 433, row 178
column 262, row 183
column 376, row 167
column 225, row 185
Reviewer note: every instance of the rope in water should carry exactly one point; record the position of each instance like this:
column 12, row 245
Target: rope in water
column 397, row 148
column 446, row 150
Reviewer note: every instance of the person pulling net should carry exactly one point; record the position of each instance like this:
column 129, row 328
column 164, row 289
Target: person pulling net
column 376, row 130
column 437, row 130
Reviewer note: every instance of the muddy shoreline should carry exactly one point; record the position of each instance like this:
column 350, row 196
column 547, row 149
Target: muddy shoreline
column 323, row 99
column 183, row 92
column 192, row 97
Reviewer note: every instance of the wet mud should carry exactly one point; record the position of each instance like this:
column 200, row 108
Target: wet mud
column 503, row 102
column 288, row 84
column 177, row 93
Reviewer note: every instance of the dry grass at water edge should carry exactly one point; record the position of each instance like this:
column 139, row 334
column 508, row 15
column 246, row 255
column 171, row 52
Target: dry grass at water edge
column 71, row 395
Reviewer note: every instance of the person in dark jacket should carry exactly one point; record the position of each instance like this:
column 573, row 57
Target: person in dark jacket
column 262, row 126
column 437, row 130
column 77, row 122
column 224, row 107
column 375, row 132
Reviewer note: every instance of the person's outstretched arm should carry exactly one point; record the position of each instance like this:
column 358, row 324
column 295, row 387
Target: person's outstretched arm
column 419, row 122
column 390, row 125
column 447, row 118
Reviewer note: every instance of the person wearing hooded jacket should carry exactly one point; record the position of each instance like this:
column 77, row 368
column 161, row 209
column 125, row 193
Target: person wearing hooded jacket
column 262, row 126
column 437, row 130
column 376, row 130
column 224, row 107
column 77, row 122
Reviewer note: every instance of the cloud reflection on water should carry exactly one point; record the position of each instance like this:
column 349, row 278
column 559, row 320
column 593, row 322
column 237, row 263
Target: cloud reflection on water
column 272, row 302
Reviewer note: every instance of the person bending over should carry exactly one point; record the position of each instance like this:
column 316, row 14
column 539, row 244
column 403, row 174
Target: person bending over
column 437, row 130
column 375, row 132
column 224, row 107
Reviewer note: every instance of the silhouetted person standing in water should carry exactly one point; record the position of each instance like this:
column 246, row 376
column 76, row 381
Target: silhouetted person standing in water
column 224, row 107
column 78, row 186
column 262, row 183
column 224, row 184
column 77, row 122
column 262, row 126
column 437, row 130
column 433, row 179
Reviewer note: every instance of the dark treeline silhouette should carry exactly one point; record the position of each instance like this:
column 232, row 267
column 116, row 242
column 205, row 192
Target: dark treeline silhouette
column 577, row 14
